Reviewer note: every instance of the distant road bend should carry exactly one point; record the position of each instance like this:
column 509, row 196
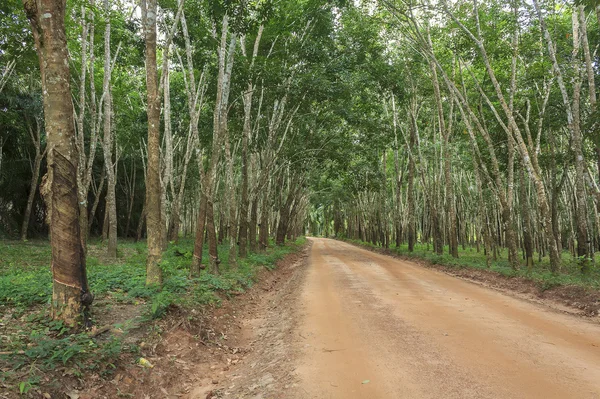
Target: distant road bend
column 377, row 327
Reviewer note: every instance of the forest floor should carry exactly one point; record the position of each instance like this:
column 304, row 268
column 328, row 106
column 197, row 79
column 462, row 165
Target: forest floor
column 138, row 333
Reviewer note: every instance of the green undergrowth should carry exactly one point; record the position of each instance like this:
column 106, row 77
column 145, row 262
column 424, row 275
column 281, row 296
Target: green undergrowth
column 32, row 344
column 540, row 273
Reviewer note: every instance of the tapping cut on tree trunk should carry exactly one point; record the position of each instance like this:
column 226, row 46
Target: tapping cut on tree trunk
column 70, row 292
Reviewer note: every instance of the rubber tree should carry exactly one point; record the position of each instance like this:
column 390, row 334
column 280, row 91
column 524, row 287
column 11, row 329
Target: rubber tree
column 153, row 187
column 70, row 291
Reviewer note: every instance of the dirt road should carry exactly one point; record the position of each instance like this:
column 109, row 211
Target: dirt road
column 376, row 327
column 344, row 322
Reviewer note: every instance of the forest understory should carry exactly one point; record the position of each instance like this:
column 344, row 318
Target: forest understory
column 191, row 328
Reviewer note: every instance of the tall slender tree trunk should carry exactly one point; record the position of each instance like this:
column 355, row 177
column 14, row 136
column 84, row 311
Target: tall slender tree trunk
column 244, row 200
column 284, row 214
column 209, row 182
column 573, row 120
column 131, row 193
column 176, row 212
column 153, row 188
column 141, row 221
column 81, row 167
column 35, row 169
column 199, row 242
column 111, row 199
column 263, row 230
column 167, row 154
column 232, row 228
column 411, row 188
column 445, row 130
column 398, row 180
column 526, row 215
column 98, row 194
column 213, row 253
column 70, row 292
column 247, row 132
column 252, row 225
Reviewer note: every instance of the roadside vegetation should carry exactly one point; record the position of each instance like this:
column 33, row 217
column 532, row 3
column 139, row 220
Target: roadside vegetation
column 127, row 313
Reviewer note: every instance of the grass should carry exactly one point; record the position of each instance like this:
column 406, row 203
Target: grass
column 32, row 344
column 540, row 273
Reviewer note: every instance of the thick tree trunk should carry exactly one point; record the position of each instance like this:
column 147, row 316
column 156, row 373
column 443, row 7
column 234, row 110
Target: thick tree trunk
column 153, row 188
column 70, row 293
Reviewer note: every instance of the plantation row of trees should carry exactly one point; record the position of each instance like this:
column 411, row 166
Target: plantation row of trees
column 202, row 119
column 491, row 133
column 443, row 123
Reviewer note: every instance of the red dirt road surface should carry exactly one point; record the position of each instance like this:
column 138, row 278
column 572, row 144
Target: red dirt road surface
column 378, row 327
column 349, row 323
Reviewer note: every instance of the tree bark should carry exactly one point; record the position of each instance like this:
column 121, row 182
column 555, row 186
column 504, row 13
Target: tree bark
column 213, row 254
column 35, row 169
column 140, row 227
column 252, row 225
column 525, row 213
column 247, row 132
column 263, row 230
column 199, row 242
column 98, row 193
column 108, row 143
column 70, row 292
column 411, row 186
column 153, row 187
column 573, row 122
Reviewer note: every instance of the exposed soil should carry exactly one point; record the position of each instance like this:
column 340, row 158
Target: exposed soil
column 202, row 359
column 568, row 298
column 372, row 326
